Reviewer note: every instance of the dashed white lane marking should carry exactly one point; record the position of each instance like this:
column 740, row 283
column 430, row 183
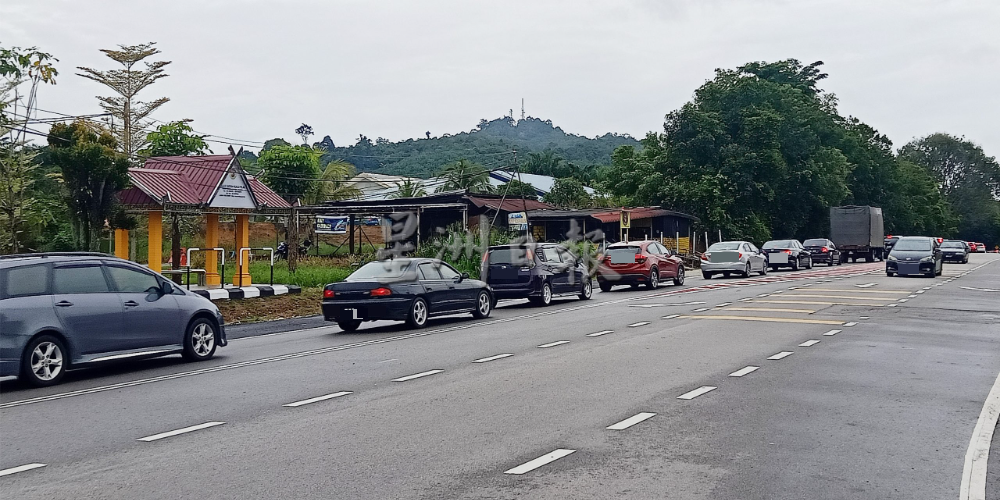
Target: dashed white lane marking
column 724, row 304
column 185, row 430
column 902, row 300
column 832, row 333
column 641, row 323
column 921, row 291
column 317, row 399
column 979, row 289
column 697, row 392
column 388, row 360
column 809, row 343
column 540, row 461
column 862, row 317
column 672, row 316
column 892, row 305
column 492, row 358
column 602, row 332
column 553, row 344
column 763, row 295
column 629, row 422
column 912, row 296
column 851, row 323
column 20, row 468
column 974, row 472
column 782, row 354
column 417, row 375
column 866, row 285
column 701, row 309
column 927, row 288
column 743, row 371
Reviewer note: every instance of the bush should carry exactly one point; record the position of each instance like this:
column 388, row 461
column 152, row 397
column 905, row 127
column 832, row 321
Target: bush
column 311, row 272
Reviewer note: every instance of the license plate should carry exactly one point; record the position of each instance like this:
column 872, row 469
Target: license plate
column 351, row 313
column 778, row 258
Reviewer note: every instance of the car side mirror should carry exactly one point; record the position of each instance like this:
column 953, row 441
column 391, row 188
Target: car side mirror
column 167, row 288
column 463, row 276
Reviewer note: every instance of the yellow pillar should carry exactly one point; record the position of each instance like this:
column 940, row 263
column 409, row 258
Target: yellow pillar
column 242, row 241
column 155, row 253
column 121, row 243
column 212, row 277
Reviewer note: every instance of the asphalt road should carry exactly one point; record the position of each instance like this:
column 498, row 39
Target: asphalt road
column 882, row 406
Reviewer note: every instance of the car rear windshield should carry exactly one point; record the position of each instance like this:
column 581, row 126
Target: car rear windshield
column 724, row 246
column 814, row 243
column 385, row 269
column 779, row 244
column 913, row 245
column 515, row 256
column 953, row 244
column 622, row 255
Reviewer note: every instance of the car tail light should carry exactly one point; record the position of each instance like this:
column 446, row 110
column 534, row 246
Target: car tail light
column 705, row 255
column 825, row 249
column 639, row 259
column 940, row 240
column 741, row 255
column 328, row 294
column 381, row 292
column 787, row 251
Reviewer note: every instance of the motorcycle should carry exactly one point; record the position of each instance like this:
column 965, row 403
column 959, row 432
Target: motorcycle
column 282, row 251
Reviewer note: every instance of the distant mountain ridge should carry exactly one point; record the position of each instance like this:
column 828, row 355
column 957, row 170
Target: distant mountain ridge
column 488, row 144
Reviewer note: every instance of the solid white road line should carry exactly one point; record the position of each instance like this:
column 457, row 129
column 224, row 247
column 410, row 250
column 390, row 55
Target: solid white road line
column 832, row 333
column 602, row 332
column 553, row 344
column 782, row 354
column 641, row 323
column 185, row 430
column 492, row 358
column 974, row 473
column 317, row 399
column 744, row 371
column 629, row 422
column 540, row 461
column 20, row 468
column 697, row 392
column 416, row 375
column 671, row 316
column 809, row 343
column 851, row 323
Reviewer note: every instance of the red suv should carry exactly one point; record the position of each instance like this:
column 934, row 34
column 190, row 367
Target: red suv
column 646, row 262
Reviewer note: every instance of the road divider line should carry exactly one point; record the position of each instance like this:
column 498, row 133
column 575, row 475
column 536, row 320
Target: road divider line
column 492, row 358
column 764, row 319
column 724, row 304
column 540, row 461
column 809, row 343
column 903, row 300
column 892, row 305
column 770, row 309
column 629, row 422
column 846, row 297
column 912, row 296
column 162, row 435
column 701, row 309
column 641, row 323
column 976, row 457
column 839, row 290
column 553, row 344
column 697, row 392
column 417, row 375
column 317, row 399
column 20, row 468
column 832, row 333
column 672, row 316
column 602, row 332
column 851, row 323
column 744, row 371
column 782, row 354
column 816, row 303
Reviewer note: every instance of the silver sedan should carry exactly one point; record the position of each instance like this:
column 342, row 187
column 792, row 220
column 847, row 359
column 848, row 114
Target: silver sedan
column 733, row 257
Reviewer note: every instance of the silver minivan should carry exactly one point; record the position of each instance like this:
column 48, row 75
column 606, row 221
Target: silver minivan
column 65, row 310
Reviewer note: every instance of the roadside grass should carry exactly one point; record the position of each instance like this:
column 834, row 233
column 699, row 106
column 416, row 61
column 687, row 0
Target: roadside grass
column 311, row 272
column 258, row 309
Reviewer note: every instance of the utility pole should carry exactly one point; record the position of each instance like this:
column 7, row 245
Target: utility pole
column 522, row 109
column 524, row 203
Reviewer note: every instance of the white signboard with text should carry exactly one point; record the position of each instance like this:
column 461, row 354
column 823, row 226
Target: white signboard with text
column 233, row 192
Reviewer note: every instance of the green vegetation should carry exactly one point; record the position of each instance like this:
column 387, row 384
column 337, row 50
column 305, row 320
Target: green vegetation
column 174, row 139
column 310, row 272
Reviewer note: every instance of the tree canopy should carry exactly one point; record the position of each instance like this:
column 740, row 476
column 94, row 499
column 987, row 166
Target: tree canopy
column 174, row 139
column 290, row 171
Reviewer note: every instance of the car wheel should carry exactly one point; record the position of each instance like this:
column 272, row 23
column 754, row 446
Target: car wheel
column 763, row 269
column 588, row 290
column 417, row 318
column 746, row 272
column 605, row 286
column 795, row 265
column 654, row 279
column 199, row 342
column 349, row 325
column 809, row 263
column 484, row 306
column 705, row 275
column 890, row 274
column 829, row 263
column 774, row 268
column 727, row 274
column 44, row 361
column 546, row 297
column 679, row 279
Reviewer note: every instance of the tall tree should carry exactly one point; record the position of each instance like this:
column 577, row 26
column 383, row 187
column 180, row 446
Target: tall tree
column 569, row 193
column 127, row 82
column 465, row 175
column 174, row 139
column 518, row 189
column 304, row 131
column 291, row 171
column 92, row 171
column 332, row 184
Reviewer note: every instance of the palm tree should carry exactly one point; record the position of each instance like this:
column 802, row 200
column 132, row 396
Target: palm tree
column 332, row 184
column 409, row 189
column 465, row 175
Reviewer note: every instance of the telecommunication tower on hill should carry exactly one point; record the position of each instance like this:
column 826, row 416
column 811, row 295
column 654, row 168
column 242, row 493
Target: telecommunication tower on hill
column 522, row 109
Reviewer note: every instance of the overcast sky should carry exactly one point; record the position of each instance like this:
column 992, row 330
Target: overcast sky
column 254, row 70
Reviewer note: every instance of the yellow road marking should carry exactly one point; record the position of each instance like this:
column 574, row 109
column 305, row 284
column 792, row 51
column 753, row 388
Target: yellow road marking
column 815, row 296
column 814, row 303
column 853, row 290
column 769, row 309
column 771, row 320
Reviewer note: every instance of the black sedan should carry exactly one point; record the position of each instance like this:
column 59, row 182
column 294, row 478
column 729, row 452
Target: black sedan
column 410, row 290
column 788, row 253
column 823, row 250
column 955, row 251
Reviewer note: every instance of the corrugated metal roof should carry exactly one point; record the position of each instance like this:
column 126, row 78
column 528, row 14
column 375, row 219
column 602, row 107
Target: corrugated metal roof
column 188, row 180
column 638, row 213
column 508, row 204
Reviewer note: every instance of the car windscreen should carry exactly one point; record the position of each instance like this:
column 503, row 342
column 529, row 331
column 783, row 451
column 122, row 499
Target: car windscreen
column 953, row 244
column 813, row 243
column 514, row 256
column 724, row 246
column 622, row 255
column 779, row 244
column 380, row 270
column 912, row 246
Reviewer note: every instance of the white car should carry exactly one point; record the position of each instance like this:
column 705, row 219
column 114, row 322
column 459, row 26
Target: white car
column 733, row 257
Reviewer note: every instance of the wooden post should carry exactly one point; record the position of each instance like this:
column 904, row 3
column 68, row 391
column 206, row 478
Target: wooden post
column 241, row 273
column 212, row 277
column 293, row 240
column 121, row 243
column 350, row 224
column 155, row 251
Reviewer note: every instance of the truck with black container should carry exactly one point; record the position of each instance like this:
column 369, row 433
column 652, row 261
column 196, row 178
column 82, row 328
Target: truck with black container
column 858, row 231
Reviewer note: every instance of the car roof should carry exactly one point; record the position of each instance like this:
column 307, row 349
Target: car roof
column 630, row 243
column 16, row 260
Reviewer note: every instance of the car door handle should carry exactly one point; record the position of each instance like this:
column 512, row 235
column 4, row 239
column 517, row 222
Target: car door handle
column 131, row 303
column 64, row 303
